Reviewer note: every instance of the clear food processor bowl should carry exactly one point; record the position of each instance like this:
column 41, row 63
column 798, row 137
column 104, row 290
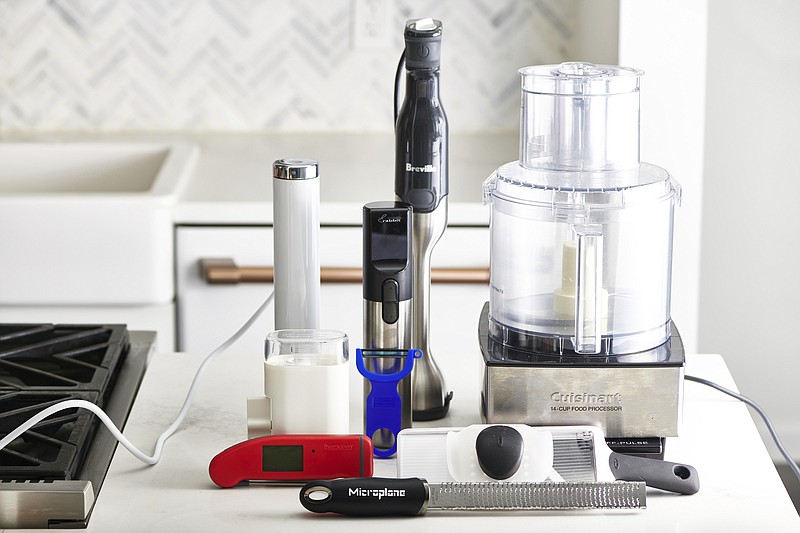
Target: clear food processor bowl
column 581, row 231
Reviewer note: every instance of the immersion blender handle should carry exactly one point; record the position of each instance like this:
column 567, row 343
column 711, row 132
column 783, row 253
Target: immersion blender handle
column 421, row 129
column 368, row 496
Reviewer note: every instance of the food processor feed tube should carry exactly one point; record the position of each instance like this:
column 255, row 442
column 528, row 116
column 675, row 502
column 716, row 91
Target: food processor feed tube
column 421, row 181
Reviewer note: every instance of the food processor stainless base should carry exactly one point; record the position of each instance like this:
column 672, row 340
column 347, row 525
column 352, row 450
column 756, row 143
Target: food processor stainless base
column 631, row 397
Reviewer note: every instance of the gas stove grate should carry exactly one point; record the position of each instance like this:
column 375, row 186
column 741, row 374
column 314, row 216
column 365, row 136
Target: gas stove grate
column 43, row 364
column 58, row 357
column 52, row 449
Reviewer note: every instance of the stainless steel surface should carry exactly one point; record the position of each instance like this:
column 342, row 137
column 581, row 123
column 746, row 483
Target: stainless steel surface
column 378, row 334
column 545, row 495
column 295, row 169
column 428, row 383
column 34, row 505
column 225, row 271
column 624, row 401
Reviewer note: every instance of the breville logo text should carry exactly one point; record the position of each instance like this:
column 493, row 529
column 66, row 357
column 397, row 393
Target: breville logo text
column 386, row 219
column 376, row 493
column 426, row 168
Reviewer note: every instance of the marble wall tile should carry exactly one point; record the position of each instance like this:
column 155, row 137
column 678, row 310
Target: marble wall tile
column 239, row 65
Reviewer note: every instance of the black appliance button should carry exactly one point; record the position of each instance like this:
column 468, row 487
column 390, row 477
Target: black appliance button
column 390, row 298
column 421, row 198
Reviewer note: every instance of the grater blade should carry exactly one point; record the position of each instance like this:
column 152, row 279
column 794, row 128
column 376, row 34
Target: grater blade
column 574, row 454
column 467, row 496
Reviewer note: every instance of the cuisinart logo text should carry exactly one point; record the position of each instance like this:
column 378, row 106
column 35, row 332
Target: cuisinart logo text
column 583, row 402
column 376, row 493
column 426, row 168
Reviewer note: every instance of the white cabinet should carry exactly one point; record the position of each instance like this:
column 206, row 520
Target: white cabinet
column 209, row 314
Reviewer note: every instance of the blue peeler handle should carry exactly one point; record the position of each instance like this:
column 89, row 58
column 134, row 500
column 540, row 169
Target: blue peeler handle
column 383, row 408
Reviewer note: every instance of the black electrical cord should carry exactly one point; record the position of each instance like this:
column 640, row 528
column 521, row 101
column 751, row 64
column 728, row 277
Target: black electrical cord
column 792, row 465
column 397, row 77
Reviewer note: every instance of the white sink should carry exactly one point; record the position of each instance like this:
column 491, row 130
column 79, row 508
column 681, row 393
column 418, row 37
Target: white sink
column 89, row 223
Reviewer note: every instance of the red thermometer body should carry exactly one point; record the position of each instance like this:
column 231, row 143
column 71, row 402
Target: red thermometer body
column 293, row 458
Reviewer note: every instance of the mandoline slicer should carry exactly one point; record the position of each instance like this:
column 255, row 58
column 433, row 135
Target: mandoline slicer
column 579, row 453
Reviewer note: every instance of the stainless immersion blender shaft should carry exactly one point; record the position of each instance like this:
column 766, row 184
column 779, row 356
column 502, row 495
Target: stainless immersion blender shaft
column 430, row 398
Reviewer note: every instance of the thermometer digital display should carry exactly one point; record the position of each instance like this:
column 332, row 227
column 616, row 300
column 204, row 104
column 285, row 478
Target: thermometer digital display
column 293, row 458
column 282, row 458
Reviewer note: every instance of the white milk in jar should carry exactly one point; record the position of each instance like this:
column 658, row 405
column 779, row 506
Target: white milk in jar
column 306, row 376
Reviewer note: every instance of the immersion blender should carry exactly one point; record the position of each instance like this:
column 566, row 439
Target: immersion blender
column 421, row 181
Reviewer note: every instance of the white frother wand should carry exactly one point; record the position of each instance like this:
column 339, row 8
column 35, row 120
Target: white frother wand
column 295, row 211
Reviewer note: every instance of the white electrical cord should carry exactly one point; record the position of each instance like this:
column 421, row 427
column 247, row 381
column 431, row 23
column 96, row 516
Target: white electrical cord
column 147, row 459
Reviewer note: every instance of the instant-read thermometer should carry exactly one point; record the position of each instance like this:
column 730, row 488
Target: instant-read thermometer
column 293, row 458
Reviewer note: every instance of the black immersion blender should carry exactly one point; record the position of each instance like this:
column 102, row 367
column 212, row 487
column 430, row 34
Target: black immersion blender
column 421, row 181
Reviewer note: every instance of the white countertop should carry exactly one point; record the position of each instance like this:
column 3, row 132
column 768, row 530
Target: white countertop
column 740, row 489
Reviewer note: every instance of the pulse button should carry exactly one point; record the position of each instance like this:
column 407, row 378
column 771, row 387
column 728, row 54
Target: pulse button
column 390, row 298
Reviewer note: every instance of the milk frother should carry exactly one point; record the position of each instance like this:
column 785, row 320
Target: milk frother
column 295, row 197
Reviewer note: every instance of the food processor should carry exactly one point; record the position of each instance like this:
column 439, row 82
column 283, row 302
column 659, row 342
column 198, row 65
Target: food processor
column 577, row 329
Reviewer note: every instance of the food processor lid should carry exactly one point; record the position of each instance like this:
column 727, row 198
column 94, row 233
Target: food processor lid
column 580, row 79
column 608, row 189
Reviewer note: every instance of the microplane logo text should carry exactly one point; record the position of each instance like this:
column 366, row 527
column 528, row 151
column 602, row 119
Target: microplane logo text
column 376, row 493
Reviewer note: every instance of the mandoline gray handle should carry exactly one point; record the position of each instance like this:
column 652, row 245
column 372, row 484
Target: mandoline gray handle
column 674, row 477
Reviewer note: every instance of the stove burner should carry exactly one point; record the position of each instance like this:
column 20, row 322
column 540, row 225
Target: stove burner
column 52, row 449
column 41, row 365
column 51, row 474
column 55, row 357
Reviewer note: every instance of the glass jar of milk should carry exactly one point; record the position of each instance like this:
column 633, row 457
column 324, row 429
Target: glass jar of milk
column 306, row 377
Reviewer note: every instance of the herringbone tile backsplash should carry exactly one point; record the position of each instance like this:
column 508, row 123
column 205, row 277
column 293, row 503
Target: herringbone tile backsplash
column 243, row 65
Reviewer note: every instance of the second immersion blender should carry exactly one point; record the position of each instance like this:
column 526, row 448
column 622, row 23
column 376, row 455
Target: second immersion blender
column 421, row 181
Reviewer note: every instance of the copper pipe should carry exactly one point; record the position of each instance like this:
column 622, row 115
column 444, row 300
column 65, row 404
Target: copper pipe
column 225, row 271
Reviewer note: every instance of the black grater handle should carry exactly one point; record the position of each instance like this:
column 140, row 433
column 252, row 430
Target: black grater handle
column 674, row 477
column 366, row 496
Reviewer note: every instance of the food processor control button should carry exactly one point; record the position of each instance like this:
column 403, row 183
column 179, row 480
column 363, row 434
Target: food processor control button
column 390, row 298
